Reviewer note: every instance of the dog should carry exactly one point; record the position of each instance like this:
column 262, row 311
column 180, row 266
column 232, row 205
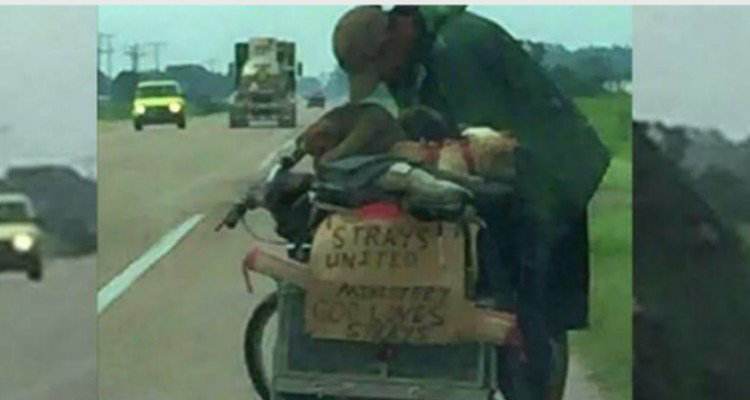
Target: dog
column 420, row 134
column 479, row 151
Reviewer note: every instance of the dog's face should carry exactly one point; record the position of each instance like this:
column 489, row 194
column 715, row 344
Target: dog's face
column 495, row 151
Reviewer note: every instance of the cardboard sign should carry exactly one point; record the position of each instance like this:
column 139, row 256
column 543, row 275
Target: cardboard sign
column 374, row 313
column 377, row 302
column 395, row 251
column 393, row 280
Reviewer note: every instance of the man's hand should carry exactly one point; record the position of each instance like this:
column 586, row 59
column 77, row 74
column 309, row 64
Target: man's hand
column 234, row 216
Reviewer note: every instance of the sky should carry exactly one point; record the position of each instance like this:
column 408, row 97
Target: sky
column 691, row 66
column 201, row 33
column 47, row 83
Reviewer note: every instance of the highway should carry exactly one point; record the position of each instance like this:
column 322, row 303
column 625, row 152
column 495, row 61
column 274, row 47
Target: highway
column 177, row 331
column 48, row 332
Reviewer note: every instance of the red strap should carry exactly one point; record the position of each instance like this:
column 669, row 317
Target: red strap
column 431, row 152
column 468, row 157
column 381, row 210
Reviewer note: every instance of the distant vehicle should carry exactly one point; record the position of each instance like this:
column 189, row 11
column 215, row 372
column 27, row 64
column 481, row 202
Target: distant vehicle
column 158, row 102
column 265, row 83
column 65, row 200
column 19, row 236
column 317, row 99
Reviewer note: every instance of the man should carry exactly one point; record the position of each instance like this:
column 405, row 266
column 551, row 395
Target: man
column 474, row 73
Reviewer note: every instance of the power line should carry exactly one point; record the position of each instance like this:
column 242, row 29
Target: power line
column 135, row 53
column 108, row 51
column 156, row 48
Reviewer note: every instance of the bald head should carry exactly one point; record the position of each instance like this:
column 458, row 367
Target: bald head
column 373, row 46
column 359, row 36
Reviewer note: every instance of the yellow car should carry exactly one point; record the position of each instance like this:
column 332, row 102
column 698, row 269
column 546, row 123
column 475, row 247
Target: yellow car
column 19, row 236
column 158, row 102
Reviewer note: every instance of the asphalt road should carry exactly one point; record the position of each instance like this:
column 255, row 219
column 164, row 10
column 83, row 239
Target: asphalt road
column 48, row 333
column 177, row 332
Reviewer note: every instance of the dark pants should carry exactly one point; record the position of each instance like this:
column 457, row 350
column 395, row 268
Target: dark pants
column 515, row 255
column 517, row 383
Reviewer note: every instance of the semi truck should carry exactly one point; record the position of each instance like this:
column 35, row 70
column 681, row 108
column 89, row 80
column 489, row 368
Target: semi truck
column 266, row 73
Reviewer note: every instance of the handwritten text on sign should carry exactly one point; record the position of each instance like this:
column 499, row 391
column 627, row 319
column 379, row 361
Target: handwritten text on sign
column 384, row 280
column 380, row 313
column 377, row 246
column 349, row 250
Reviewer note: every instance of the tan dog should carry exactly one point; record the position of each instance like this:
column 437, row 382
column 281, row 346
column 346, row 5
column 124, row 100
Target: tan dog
column 420, row 134
column 480, row 151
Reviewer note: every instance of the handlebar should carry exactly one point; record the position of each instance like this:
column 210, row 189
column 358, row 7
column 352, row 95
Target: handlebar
column 233, row 217
column 254, row 198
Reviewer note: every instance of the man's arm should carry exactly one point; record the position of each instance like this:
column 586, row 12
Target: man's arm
column 374, row 132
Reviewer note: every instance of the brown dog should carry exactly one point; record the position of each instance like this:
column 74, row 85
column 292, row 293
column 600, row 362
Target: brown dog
column 482, row 152
column 420, row 134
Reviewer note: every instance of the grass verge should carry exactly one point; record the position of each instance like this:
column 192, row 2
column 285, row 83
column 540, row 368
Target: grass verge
column 606, row 347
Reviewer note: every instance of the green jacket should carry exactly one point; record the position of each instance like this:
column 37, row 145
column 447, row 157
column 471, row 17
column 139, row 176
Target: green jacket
column 478, row 75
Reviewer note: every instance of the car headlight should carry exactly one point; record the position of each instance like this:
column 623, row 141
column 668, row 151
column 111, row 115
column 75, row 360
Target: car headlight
column 140, row 109
column 175, row 107
column 23, row 242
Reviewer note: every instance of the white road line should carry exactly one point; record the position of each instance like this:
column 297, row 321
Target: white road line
column 119, row 284
column 266, row 163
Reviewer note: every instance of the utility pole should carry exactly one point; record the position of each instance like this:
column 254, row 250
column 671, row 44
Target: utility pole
column 134, row 52
column 108, row 51
column 156, row 47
